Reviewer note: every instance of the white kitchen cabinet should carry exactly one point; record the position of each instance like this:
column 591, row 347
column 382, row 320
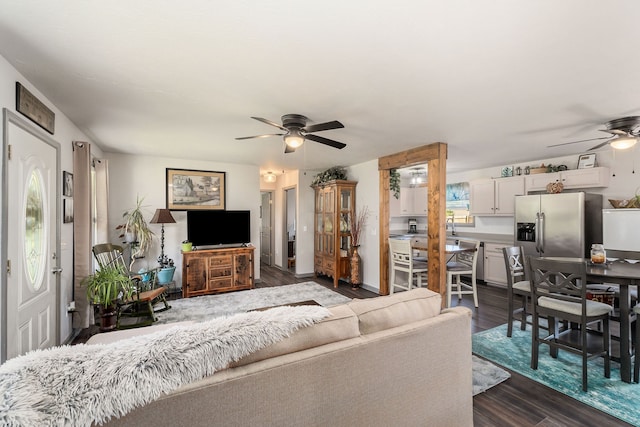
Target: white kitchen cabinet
column 571, row 179
column 413, row 201
column 420, row 201
column 494, row 268
column 494, row 196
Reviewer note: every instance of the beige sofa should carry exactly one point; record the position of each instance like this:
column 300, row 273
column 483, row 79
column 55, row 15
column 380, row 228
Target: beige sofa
column 387, row 361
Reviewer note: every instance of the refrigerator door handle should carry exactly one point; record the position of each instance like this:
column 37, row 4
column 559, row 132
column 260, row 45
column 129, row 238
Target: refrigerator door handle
column 541, row 232
column 537, row 232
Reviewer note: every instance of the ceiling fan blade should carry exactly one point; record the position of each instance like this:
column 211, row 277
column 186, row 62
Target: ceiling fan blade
column 614, row 131
column 599, row 145
column 325, row 141
column 288, row 149
column 269, row 122
column 575, row 142
column 260, row 136
column 323, row 126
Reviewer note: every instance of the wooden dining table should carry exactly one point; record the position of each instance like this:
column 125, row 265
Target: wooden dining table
column 624, row 274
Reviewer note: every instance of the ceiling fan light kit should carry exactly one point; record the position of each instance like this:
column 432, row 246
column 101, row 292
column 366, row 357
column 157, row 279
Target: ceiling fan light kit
column 623, row 142
column 297, row 131
column 294, row 139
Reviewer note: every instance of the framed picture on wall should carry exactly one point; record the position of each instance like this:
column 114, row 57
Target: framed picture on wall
column 67, row 208
column 67, row 184
column 586, row 161
column 195, row 189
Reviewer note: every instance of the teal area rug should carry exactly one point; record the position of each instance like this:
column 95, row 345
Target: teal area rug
column 563, row 374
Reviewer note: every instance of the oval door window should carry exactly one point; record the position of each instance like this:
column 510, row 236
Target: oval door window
column 34, row 234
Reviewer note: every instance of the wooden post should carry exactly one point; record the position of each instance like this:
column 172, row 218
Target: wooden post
column 435, row 155
column 384, row 231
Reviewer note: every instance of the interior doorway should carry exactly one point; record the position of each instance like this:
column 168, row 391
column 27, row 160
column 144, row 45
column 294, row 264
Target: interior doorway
column 290, row 229
column 266, row 228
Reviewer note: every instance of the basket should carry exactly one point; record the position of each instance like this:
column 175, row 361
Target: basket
column 625, row 203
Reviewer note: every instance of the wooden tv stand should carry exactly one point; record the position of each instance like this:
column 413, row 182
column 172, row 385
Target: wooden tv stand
column 211, row 271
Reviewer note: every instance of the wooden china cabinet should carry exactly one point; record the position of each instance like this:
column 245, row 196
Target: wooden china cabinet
column 334, row 212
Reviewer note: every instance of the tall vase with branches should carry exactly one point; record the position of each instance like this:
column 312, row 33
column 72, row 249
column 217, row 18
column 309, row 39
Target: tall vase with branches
column 357, row 228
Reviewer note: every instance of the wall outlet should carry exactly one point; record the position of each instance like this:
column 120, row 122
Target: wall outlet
column 71, row 306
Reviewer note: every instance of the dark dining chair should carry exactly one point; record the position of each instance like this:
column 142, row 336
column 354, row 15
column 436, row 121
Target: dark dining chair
column 559, row 291
column 518, row 286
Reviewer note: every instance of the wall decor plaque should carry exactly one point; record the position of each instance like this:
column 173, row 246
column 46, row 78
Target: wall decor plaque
column 32, row 108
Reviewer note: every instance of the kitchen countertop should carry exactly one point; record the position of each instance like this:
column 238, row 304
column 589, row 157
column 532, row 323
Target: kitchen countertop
column 483, row 237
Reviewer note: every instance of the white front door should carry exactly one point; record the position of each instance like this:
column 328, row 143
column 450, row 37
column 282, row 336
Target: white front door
column 32, row 217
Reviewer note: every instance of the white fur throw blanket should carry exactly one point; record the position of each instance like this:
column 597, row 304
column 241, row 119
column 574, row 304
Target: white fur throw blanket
column 81, row 384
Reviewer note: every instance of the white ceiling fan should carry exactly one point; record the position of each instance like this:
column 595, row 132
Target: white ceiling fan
column 624, row 134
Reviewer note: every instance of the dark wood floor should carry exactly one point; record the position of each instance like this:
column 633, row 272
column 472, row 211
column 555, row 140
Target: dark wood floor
column 518, row 401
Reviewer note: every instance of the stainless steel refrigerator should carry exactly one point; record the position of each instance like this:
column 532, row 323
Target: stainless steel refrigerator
column 564, row 224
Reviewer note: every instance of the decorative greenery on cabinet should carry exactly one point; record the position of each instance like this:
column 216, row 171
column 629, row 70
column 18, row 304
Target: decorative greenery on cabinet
column 333, row 173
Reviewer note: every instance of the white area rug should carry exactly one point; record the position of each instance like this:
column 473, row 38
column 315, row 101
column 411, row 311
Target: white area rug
column 486, row 375
column 210, row 306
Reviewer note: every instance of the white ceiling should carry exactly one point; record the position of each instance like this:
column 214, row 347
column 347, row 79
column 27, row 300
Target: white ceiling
column 498, row 80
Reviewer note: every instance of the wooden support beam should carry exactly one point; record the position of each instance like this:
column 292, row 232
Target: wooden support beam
column 435, row 156
column 436, row 225
column 384, row 231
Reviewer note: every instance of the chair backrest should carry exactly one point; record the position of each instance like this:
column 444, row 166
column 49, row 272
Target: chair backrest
column 110, row 255
column 514, row 261
column 562, row 280
column 469, row 259
column 401, row 252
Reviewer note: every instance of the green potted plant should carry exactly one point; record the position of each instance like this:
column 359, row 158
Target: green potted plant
column 104, row 288
column 135, row 230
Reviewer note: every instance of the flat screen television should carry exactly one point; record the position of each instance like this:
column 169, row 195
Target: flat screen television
column 212, row 228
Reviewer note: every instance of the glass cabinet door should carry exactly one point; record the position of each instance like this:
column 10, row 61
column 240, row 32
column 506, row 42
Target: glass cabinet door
column 345, row 199
column 319, row 201
column 318, row 231
column 329, row 200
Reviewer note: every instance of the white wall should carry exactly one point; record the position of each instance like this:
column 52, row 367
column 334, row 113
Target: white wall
column 65, row 133
column 131, row 176
column 368, row 195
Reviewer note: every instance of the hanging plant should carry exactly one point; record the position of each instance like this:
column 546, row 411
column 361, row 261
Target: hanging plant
column 135, row 225
column 336, row 172
column 394, row 182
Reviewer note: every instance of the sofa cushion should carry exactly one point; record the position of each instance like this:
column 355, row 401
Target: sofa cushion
column 341, row 325
column 377, row 314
